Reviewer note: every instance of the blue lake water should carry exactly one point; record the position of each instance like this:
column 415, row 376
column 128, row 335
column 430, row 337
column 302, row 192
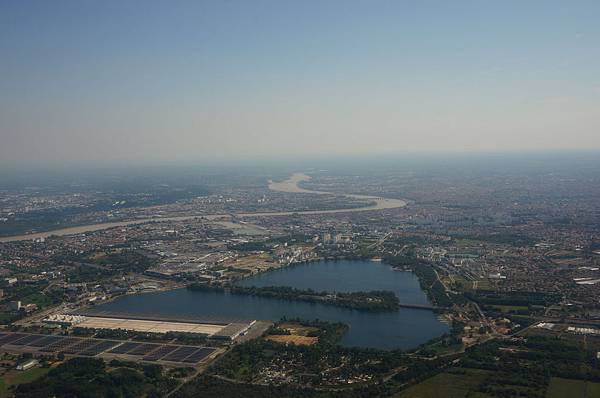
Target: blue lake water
column 404, row 329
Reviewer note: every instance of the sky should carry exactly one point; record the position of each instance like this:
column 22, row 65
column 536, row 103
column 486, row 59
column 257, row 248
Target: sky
column 85, row 82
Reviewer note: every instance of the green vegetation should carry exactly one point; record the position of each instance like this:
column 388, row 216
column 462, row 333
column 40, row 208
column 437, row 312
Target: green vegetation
column 428, row 279
column 264, row 368
column 510, row 309
column 16, row 377
column 80, row 273
column 514, row 299
column 248, row 246
column 213, row 387
column 501, row 239
column 88, row 377
column 447, row 385
column 536, row 367
column 125, row 260
column 497, row 369
column 99, row 266
column 560, row 388
column 376, row 300
column 29, row 293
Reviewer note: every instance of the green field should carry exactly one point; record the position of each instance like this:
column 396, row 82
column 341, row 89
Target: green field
column 15, row 377
column 560, row 388
column 510, row 308
column 448, row 385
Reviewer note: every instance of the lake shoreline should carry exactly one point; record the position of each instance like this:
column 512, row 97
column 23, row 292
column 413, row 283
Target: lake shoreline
column 403, row 329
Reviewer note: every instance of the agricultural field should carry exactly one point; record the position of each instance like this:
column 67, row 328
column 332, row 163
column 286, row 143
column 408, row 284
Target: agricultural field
column 448, row 385
column 560, row 388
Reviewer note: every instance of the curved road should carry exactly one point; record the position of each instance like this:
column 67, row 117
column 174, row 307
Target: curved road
column 290, row 185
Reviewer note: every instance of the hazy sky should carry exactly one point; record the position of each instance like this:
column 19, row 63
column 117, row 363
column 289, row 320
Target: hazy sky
column 195, row 80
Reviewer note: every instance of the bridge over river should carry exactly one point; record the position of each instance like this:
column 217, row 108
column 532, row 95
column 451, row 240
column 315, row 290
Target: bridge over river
column 420, row 306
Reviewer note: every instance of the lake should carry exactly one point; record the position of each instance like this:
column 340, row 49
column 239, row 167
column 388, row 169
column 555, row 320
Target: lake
column 404, row 329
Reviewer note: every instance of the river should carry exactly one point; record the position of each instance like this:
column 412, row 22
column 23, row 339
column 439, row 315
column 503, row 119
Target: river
column 289, row 185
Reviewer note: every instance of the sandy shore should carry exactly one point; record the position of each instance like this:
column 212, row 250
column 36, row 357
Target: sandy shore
column 291, row 185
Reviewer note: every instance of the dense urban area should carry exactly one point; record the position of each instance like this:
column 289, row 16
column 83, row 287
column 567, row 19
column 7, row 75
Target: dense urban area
column 506, row 251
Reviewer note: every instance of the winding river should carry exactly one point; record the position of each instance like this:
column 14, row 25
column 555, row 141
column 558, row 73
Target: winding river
column 290, row 185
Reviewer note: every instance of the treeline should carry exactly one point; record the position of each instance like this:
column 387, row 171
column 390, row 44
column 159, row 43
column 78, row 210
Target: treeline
column 126, row 260
column 329, row 333
column 90, row 377
column 212, row 387
column 514, row 298
column 427, row 279
column 531, row 363
column 312, row 368
column 376, row 300
column 501, row 239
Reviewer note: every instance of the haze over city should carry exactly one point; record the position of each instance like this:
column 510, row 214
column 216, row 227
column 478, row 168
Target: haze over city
column 299, row 199
column 138, row 82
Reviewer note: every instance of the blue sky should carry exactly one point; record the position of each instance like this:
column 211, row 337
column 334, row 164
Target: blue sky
column 143, row 81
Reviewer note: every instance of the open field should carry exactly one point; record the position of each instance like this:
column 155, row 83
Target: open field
column 291, row 339
column 509, row 308
column 299, row 334
column 298, row 329
column 448, row 385
column 15, row 377
column 560, row 388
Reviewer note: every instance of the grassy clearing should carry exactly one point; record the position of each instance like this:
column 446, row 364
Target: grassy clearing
column 448, row 385
column 15, row 377
column 560, row 388
column 291, row 339
column 439, row 348
column 483, row 284
column 299, row 334
column 298, row 329
column 510, row 308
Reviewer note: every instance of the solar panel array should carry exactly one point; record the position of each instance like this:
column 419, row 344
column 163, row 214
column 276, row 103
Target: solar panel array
column 180, row 354
column 160, row 352
column 79, row 346
column 98, row 348
column 45, row 341
column 199, row 355
column 143, row 349
column 92, row 347
column 8, row 338
column 124, row 348
column 59, row 345
column 32, row 338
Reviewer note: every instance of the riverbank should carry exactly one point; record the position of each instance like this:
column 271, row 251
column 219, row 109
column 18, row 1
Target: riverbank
column 285, row 186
